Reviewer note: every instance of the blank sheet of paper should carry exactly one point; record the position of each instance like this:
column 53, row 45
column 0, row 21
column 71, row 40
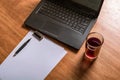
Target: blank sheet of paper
column 34, row 62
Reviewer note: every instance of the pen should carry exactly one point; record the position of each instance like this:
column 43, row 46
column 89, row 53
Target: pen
column 24, row 44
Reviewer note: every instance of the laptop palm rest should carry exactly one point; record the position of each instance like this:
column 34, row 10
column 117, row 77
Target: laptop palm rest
column 62, row 33
column 51, row 29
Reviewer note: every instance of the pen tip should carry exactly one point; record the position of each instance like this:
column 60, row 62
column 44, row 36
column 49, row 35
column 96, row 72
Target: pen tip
column 14, row 55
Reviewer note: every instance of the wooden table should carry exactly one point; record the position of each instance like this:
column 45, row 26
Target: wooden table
column 13, row 13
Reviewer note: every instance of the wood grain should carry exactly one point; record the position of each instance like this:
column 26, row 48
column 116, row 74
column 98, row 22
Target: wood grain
column 13, row 13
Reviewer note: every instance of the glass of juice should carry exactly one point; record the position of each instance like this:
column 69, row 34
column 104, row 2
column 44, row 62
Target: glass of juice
column 93, row 45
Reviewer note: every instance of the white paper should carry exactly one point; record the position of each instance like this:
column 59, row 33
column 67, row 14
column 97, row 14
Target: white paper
column 34, row 62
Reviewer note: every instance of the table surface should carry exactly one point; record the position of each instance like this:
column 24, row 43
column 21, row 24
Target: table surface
column 13, row 13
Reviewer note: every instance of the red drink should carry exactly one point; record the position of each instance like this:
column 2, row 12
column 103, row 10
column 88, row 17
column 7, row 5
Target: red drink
column 93, row 45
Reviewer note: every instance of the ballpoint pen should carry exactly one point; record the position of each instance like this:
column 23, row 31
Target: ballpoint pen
column 23, row 45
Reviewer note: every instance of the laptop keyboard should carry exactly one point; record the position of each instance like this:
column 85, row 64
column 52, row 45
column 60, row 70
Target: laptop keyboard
column 73, row 19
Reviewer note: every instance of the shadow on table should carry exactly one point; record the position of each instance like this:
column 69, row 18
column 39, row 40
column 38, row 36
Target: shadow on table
column 82, row 68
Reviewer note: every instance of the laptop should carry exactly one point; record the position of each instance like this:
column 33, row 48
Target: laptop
column 68, row 21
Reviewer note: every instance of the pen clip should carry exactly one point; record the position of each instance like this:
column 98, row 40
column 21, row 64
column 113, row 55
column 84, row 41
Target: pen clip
column 38, row 35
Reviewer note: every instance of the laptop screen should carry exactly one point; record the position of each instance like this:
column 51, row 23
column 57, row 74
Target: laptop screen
column 93, row 4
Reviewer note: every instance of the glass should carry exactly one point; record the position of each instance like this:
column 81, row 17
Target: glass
column 93, row 45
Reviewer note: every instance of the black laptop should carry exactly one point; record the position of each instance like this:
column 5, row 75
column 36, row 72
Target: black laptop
column 68, row 21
